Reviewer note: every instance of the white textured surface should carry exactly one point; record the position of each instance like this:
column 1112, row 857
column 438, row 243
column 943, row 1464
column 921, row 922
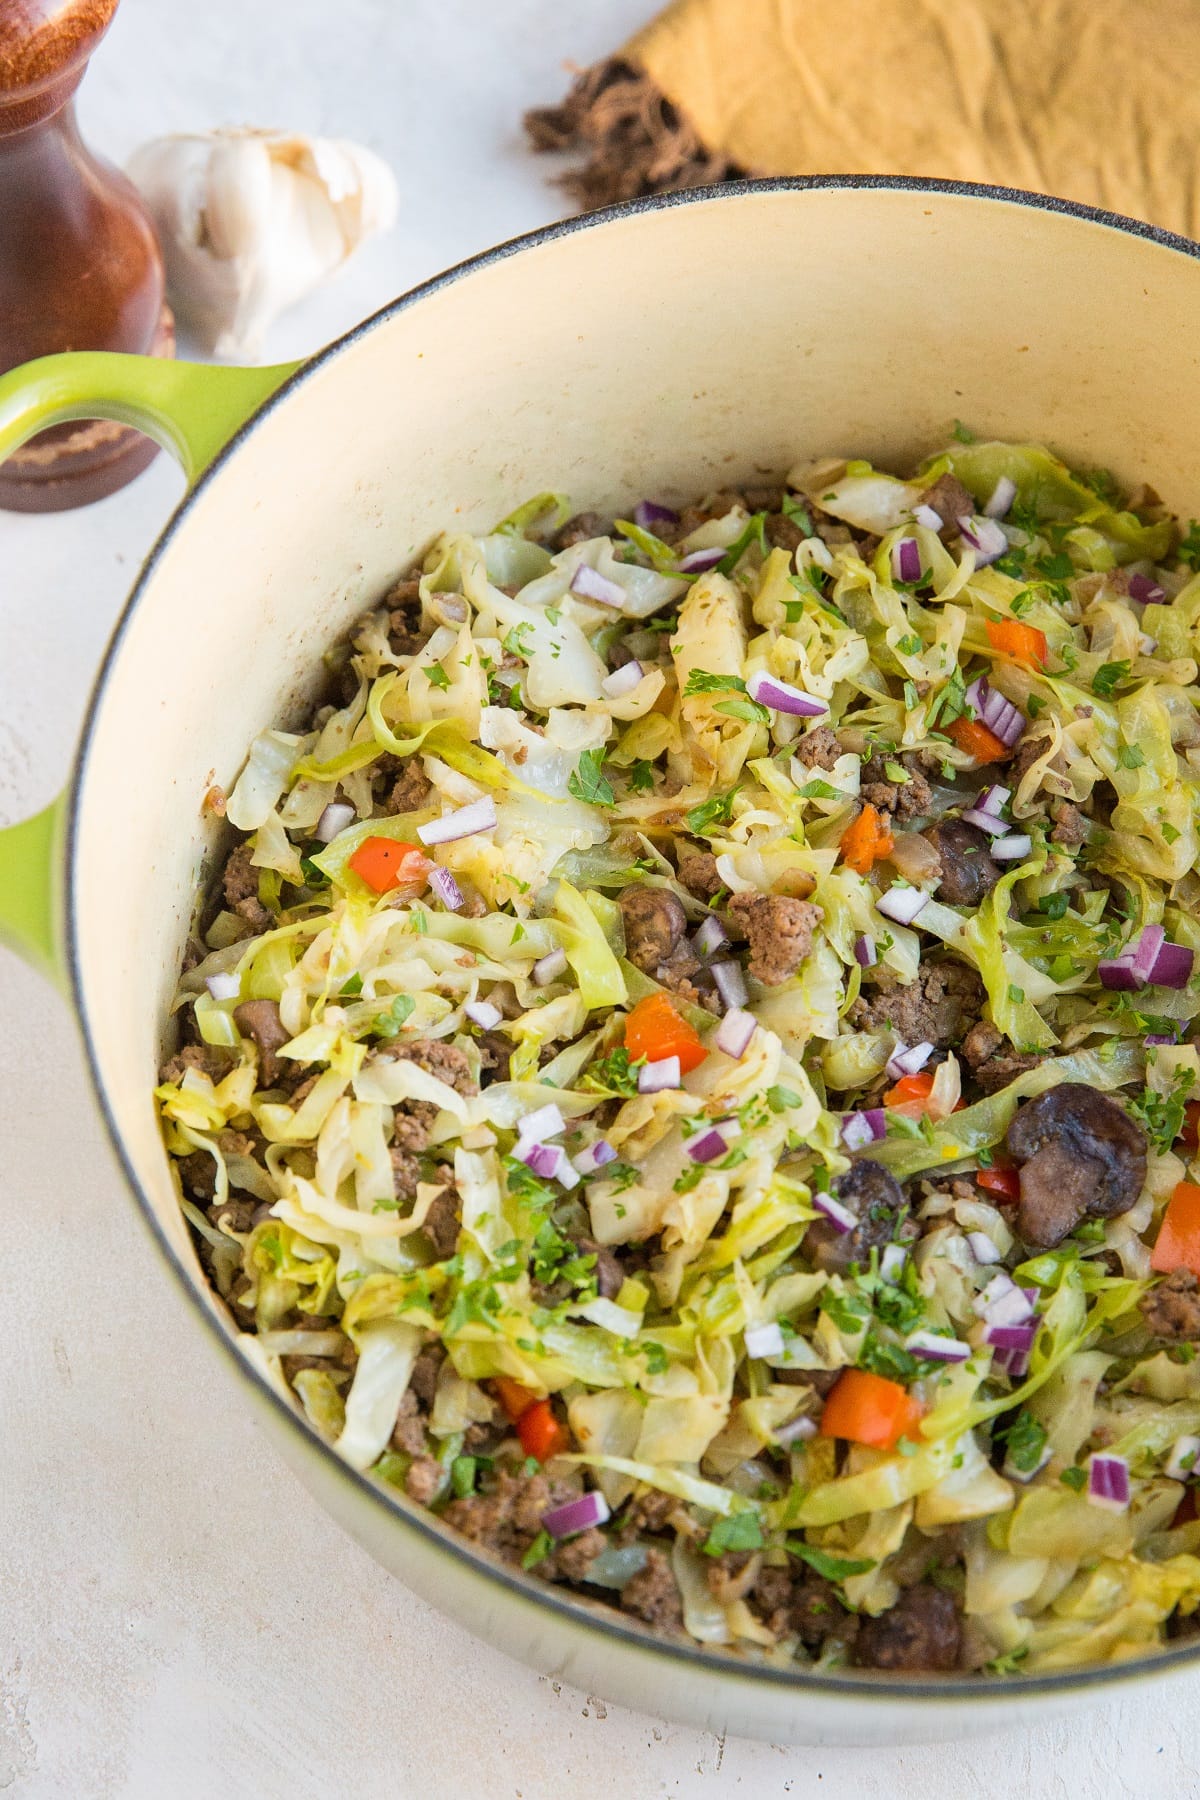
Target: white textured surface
column 177, row 1617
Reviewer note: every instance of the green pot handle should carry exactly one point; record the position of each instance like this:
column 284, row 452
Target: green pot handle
column 192, row 410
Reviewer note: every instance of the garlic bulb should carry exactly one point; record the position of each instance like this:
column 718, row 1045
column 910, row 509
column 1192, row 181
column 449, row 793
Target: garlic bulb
column 252, row 221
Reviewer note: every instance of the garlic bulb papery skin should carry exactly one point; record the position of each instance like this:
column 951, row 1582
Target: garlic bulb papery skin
column 252, row 221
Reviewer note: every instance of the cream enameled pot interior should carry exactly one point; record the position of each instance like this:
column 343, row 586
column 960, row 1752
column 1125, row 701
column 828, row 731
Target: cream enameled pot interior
column 662, row 351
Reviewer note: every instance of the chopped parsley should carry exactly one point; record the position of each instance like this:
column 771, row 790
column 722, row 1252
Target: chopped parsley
column 1025, row 1439
column 387, row 1024
column 740, row 1531
column 1162, row 1115
column 641, row 776
column 614, row 1073
column 717, row 811
column 1074, row 1477
column 1189, row 545
column 437, row 676
column 755, row 532
column 1107, row 678
column 586, row 781
column 822, row 1562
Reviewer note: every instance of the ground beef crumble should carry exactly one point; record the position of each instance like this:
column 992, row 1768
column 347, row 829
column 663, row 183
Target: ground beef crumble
column 937, row 1008
column 780, row 930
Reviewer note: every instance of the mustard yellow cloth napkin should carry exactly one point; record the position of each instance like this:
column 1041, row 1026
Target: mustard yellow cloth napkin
column 1094, row 100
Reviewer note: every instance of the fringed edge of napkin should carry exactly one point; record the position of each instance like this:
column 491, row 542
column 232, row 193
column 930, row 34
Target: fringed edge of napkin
column 634, row 140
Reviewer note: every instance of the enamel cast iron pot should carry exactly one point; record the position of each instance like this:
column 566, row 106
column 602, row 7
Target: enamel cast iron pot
column 666, row 347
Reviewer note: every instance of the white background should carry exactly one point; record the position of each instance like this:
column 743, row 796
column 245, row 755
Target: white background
column 177, row 1617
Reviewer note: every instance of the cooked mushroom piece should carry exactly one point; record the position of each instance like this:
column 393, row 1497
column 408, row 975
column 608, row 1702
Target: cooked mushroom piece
column 1081, row 1156
column 874, row 1195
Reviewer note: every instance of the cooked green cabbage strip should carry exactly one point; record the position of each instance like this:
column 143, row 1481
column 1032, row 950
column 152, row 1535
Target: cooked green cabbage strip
column 669, row 1120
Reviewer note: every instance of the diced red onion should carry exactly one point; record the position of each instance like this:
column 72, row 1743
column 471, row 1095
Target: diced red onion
column 536, row 1127
column 589, row 584
column 595, row 1157
column 982, row 1248
column 1003, row 495
column 781, row 696
column 1015, row 1362
column 1108, row 1481
column 902, row 904
column 622, row 680
column 1117, row 975
column 906, row 559
column 543, row 1159
column 892, row 1259
column 839, row 1216
column 1002, row 1302
column 986, row 821
column 731, row 983
column 584, row 1514
column 1146, row 950
column 223, row 986
column 735, row 1032
column 1172, row 966
column 337, row 815
column 1151, row 961
column 548, row 968
column 1147, row 644
column 713, row 1141
column 710, row 936
column 904, row 1062
column 649, row 513
column 995, row 799
column 656, row 1077
column 933, row 1348
column 1162, row 1037
column 697, row 561
column 1012, row 1337
column 1145, row 591
column 1181, row 1464
column 763, row 1340
column 1013, row 847
column 864, row 952
column 991, row 708
column 463, row 822
column 796, row 1431
column 987, row 538
column 926, row 516
column 859, row 1128
column 483, row 1014
column 447, row 889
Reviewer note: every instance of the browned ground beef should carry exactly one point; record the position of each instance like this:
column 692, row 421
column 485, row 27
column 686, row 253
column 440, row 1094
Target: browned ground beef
column 508, row 1515
column 780, row 930
column 907, row 799
column 937, row 1008
column 922, row 1631
column 206, row 1058
column 1030, row 747
column 1070, row 826
column 819, row 749
column 653, row 1594
column 410, row 791
column 699, row 875
column 240, row 886
column 1172, row 1308
column 579, row 529
column 950, row 500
